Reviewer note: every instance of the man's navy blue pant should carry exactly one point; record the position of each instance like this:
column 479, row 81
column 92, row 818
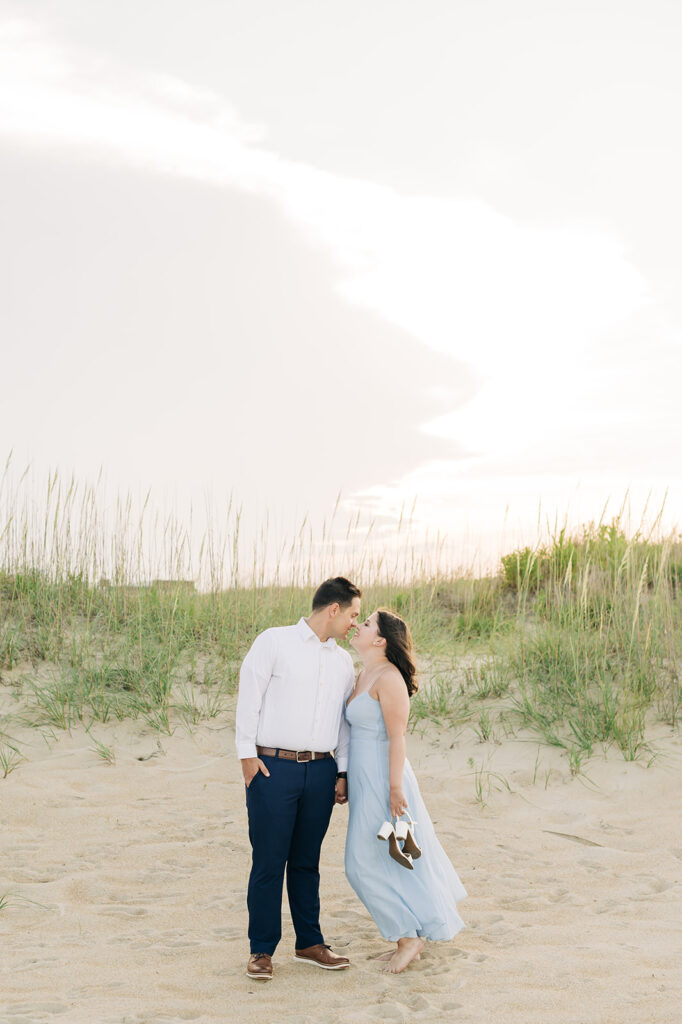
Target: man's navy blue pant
column 288, row 818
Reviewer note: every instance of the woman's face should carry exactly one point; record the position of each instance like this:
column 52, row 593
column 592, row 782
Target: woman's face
column 366, row 635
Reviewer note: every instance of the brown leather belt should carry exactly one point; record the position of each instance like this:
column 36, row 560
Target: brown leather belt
column 302, row 756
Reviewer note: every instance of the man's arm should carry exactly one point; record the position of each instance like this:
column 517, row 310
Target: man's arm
column 341, row 753
column 254, row 679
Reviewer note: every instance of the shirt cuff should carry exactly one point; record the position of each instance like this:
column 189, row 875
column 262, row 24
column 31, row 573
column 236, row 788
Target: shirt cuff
column 246, row 750
column 342, row 764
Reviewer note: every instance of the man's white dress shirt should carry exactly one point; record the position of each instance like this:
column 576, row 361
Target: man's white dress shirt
column 292, row 692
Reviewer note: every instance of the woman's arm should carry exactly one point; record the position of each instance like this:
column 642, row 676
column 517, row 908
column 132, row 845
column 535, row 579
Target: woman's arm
column 395, row 707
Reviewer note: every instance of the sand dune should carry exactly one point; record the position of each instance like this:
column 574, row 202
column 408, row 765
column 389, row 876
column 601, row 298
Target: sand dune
column 137, row 872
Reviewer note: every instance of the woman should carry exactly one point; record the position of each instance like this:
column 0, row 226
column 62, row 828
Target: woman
column 411, row 898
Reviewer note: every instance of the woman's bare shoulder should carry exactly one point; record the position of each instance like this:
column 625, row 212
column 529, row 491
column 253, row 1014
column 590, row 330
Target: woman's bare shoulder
column 390, row 682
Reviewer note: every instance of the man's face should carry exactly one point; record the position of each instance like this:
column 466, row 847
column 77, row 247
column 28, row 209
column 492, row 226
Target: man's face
column 345, row 619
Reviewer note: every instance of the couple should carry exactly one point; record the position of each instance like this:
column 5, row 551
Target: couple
column 309, row 735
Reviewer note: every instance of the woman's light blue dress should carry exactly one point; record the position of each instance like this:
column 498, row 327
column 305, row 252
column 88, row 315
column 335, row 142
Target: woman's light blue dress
column 403, row 903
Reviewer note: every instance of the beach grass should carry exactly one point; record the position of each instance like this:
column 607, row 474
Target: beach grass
column 576, row 640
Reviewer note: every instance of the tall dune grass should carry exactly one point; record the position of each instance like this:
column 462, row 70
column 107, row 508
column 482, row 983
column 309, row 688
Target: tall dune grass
column 110, row 611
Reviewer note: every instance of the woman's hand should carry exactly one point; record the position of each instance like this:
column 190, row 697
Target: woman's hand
column 397, row 801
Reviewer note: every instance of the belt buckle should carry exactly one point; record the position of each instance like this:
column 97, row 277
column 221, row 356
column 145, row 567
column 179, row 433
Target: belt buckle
column 303, row 760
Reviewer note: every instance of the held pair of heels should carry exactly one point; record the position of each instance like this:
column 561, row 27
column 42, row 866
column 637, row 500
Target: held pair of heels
column 403, row 833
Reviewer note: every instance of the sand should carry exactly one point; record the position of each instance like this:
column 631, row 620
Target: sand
column 137, row 872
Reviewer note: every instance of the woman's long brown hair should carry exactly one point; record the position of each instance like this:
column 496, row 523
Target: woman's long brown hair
column 399, row 651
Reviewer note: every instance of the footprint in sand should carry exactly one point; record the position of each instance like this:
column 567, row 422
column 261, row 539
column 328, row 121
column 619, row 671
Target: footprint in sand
column 513, row 881
column 434, row 970
column 351, row 915
column 181, row 943
column 34, row 1011
column 608, row 906
column 604, row 825
column 591, row 865
column 558, row 896
column 228, row 933
column 651, row 884
column 420, row 1003
column 521, row 904
column 59, row 908
column 466, row 958
column 36, row 962
column 223, row 902
column 77, row 994
column 25, row 876
column 177, row 867
column 515, row 854
column 390, row 1011
column 121, row 911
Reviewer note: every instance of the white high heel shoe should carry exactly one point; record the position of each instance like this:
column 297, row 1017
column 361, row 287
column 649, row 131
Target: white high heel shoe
column 387, row 832
column 405, row 833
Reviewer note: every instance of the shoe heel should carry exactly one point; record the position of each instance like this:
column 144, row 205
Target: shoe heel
column 401, row 830
column 404, row 831
column 386, row 831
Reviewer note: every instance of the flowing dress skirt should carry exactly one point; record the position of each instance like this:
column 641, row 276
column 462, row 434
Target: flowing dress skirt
column 403, row 903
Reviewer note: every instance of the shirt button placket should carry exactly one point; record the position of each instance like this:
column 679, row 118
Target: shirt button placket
column 316, row 717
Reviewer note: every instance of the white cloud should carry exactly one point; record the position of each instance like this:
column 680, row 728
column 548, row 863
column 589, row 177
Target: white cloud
column 458, row 275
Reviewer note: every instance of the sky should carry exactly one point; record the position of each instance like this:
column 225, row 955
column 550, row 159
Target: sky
column 423, row 257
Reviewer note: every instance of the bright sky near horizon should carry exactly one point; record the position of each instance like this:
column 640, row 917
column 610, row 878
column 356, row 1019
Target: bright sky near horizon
column 283, row 251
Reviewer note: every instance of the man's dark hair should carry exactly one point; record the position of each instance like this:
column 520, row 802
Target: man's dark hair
column 337, row 590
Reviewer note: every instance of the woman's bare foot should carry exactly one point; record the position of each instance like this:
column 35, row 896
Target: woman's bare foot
column 385, row 957
column 407, row 951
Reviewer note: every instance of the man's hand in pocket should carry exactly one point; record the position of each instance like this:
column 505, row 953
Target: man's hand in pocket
column 250, row 768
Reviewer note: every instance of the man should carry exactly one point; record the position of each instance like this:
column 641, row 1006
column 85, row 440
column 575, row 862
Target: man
column 293, row 687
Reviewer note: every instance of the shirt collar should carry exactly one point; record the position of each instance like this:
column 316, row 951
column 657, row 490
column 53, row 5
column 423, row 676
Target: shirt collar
column 306, row 633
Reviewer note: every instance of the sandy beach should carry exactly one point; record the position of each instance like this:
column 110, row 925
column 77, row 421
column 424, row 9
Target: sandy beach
column 125, row 887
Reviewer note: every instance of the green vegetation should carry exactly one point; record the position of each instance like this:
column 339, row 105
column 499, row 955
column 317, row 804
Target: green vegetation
column 577, row 641
column 10, row 757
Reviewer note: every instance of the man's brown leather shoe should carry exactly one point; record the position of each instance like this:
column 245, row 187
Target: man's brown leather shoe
column 259, row 966
column 322, row 956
